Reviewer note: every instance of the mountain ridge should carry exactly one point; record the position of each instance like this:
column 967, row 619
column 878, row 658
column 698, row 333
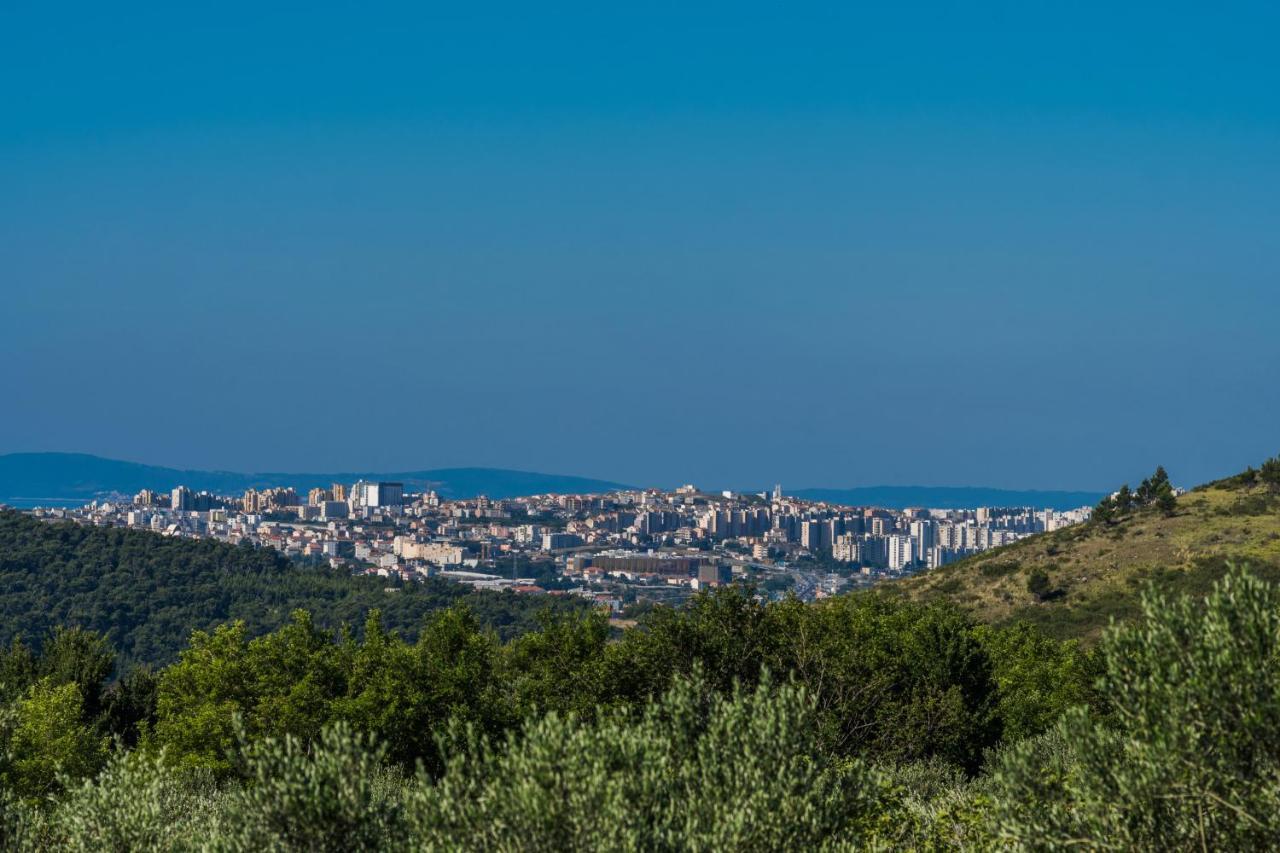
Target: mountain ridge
column 80, row 476
column 61, row 477
column 951, row 497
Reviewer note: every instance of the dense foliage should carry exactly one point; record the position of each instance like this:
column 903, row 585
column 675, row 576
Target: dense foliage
column 864, row 721
column 146, row 593
column 1185, row 753
column 1176, row 751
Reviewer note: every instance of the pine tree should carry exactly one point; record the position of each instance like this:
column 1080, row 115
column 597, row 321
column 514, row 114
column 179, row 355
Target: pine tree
column 1104, row 512
column 1123, row 500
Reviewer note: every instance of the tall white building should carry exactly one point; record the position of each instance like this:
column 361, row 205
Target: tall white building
column 924, row 533
column 181, row 499
column 901, row 552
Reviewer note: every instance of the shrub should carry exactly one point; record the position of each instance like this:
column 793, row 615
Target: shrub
column 1188, row 753
column 694, row 771
column 1038, row 584
column 999, row 568
column 334, row 796
column 137, row 803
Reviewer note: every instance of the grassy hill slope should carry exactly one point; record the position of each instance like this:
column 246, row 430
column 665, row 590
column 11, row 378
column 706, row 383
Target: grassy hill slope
column 1097, row 571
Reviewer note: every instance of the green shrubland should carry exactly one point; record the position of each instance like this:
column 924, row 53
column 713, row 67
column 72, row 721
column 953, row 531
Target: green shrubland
column 867, row 721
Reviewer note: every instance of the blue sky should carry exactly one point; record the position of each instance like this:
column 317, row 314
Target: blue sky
column 1029, row 245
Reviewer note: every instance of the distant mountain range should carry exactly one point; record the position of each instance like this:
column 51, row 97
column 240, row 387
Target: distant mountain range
column 33, row 478
column 28, row 479
column 953, row 497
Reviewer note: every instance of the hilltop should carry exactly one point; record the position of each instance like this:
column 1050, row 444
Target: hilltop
column 1095, row 572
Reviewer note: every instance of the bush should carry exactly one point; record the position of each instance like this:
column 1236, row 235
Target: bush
column 694, row 770
column 1038, row 584
column 999, row 568
column 1188, row 751
column 137, row 803
column 333, row 796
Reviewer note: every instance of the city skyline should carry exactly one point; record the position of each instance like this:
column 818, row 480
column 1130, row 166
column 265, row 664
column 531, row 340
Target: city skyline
column 619, row 547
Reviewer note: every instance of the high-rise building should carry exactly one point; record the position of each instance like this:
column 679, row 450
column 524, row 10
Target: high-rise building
column 376, row 495
column 181, row 499
column 901, row 552
column 251, row 502
column 811, row 535
column 924, row 533
column 847, row 548
column 333, row 509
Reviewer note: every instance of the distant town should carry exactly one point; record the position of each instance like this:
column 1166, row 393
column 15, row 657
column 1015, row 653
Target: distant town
column 622, row 549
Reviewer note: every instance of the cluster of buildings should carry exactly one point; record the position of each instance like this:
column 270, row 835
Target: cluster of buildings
column 617, row 548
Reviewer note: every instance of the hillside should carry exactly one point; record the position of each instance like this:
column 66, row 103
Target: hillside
column 1096, row 571
column 30, row 478
column 148, row 592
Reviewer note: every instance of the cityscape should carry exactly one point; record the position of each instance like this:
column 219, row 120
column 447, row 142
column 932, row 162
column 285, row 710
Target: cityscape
column 355, row 356
column 619, row 549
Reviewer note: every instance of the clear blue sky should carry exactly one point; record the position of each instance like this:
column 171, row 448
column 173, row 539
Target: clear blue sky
column 1022, row 245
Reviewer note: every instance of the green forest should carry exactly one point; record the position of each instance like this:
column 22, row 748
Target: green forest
column 146, row 593
column 868, row 721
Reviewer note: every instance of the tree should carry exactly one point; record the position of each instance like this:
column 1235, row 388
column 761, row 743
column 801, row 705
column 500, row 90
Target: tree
column 1038, row 677
column 200, row 696
column 129, row 706
column 45, row 738
column 1269, row 474
column 891, row 680
column 725, row 630
column 1104, row 512
column 561, row 667
column 1123, row 501
column 79, row 657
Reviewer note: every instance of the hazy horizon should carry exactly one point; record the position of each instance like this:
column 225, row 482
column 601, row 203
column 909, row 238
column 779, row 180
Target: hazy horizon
column 924, row 245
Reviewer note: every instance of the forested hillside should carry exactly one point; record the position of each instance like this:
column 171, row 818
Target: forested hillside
column 1072, row 582
column 146, row 593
